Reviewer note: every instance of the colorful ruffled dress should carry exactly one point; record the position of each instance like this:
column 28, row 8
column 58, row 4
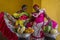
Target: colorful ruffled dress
column 37, row 26
column 54, row 31
column 6, row 28
column 23, row 16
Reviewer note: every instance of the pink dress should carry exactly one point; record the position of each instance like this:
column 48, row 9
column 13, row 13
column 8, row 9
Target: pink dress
column 38, row 23
column 54, row 26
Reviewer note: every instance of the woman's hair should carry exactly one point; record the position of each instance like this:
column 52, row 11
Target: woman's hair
column 24, row 6
column 35, row 5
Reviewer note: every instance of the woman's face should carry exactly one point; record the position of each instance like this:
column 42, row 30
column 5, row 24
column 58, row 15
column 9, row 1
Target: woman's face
column 24, row 8
column 36, row 8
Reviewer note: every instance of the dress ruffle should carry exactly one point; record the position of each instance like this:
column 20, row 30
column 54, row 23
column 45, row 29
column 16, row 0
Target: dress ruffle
column 6, row 32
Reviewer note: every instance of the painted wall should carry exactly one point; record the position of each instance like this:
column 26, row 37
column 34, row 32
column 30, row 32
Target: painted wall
column 12, row 6
column 53, row 10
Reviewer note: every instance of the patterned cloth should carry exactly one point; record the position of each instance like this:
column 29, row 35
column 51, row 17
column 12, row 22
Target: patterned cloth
column 54, row 26
column 5, row 30
column 37, row 26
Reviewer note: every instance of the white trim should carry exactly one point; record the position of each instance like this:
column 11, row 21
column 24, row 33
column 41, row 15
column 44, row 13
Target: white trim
column 41, row 11
column 7, row 23
column 37, row 28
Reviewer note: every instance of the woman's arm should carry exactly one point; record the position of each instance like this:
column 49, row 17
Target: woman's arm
column 46, row 16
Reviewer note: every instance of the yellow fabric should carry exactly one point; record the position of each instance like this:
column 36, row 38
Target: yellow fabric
column 16, row 15
column 17, row 22
column 20, row 22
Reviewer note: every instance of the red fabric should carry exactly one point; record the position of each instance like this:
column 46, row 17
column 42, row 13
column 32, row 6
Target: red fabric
column 5, row 30
column 42, row 34
column 23, row 17
column 29, row 24
column 54, row 24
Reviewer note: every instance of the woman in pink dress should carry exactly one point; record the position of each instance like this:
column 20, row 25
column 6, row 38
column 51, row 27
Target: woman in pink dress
column 39, row 16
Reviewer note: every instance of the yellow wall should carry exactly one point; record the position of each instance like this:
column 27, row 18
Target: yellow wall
column 53, row 10
column 12, row 6
column 9, row 5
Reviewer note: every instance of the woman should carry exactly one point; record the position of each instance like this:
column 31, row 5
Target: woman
column 39, row 16
column 23, row 17
column 23, row 9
